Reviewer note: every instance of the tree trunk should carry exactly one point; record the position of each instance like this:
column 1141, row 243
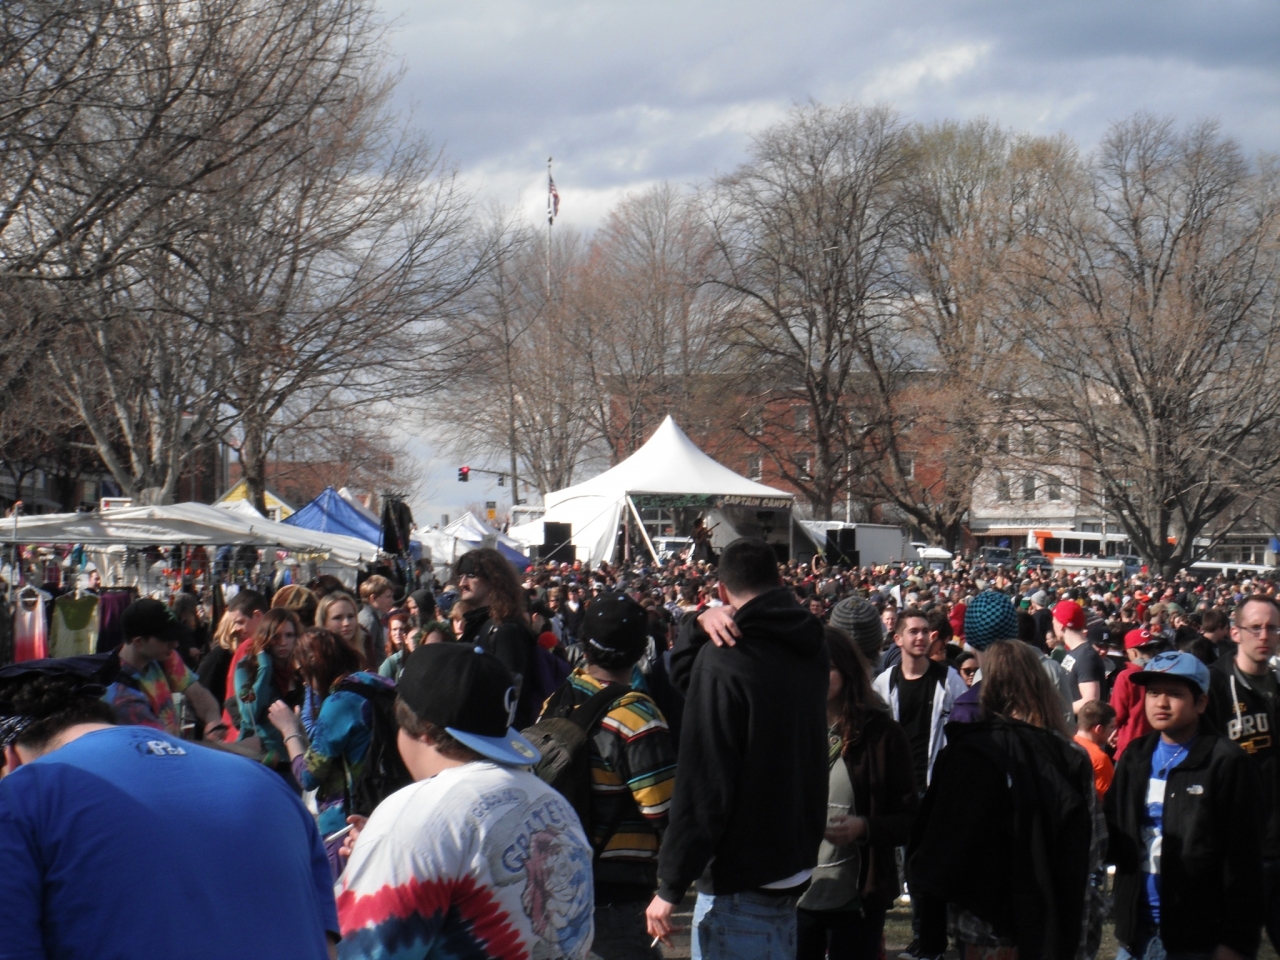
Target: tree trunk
column 253, row 467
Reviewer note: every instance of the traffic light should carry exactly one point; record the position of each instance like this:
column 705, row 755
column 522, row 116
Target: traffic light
column 464, row 474
column 502, row 479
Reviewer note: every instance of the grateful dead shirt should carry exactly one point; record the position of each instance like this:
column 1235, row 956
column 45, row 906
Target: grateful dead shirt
column 481, row 861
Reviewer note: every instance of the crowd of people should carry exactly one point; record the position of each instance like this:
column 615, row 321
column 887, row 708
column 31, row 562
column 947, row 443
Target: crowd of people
column 550, row 766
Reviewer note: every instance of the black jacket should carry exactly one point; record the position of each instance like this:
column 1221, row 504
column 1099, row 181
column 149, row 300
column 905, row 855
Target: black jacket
column 1211, row 862
column 884, row 791
column 1238, row 711
column 751, row 786
column 1004, row 832
column 512, row 643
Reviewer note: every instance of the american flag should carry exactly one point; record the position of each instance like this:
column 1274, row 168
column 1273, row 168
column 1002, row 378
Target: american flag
column 553, row 197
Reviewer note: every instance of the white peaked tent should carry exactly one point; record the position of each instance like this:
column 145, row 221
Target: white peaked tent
column 669, row 465
column 468, row 533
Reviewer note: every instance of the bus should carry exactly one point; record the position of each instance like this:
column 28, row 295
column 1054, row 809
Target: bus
column 1078, row 543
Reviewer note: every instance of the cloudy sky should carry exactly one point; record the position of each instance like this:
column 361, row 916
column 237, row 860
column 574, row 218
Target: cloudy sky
column 627, row 94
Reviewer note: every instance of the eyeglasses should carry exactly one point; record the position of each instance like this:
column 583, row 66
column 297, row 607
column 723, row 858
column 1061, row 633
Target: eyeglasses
column 1260, row 629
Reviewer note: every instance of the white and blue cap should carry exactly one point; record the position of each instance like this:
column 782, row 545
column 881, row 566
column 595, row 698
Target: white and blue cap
column 469, row 693
column 1175, row 663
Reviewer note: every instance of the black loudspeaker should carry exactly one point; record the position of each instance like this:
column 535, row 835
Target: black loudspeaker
column 557, row 543
column 842, row 546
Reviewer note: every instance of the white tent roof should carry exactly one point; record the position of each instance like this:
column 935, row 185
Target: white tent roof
column 669, row 463
column 466, row 533
column 243, row 508
column 196, row 524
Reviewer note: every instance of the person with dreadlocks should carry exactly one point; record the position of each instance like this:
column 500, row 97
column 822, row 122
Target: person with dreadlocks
column 123, row 841
column 872, row 801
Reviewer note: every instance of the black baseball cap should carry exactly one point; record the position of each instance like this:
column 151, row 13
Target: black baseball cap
column 469, row 693
column 150, row 618
column 615, row 623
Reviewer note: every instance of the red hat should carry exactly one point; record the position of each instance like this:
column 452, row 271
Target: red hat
column 1137, row 638
column 547, row 640
column 1069, row 613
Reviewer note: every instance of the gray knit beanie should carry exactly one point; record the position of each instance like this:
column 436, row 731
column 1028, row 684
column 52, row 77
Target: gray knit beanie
column 861, row 621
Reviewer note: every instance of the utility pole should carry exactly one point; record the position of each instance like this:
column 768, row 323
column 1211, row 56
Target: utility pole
column 551, row 216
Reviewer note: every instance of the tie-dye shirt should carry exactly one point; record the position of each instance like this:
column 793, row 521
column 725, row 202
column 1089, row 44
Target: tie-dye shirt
column 481, row 861
column 144, row 697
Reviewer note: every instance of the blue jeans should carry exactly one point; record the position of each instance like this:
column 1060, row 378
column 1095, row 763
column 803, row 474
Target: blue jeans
column 744, row 926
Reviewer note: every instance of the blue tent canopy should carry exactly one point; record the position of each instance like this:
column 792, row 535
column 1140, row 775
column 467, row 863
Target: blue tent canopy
column 329, row 513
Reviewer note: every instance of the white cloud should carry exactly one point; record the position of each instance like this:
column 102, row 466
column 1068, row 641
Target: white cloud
column 899, row 82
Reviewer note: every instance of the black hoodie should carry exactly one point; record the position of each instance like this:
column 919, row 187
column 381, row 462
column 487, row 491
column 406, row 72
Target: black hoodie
column 1241, row 711
column 751, row 786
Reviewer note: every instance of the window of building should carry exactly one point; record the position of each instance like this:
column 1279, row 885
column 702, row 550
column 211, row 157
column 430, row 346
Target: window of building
column 1002, row 443
column 908, row 468
column 1053, row 489
column 755, row 422
column 1052, row 443
column 802, row 419
column 806, row 468
column 755, row 466
column 1028, row 487
column 1002, row 490
column 1028, row 443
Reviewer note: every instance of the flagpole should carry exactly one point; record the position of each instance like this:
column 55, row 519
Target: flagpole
column 550, row 218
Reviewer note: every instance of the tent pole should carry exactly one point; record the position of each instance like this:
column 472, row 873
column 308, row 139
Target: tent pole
column 643, row 532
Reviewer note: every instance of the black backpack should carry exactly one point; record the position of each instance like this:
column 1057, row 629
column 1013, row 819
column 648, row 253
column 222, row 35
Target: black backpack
column 563, row 737
column 383, row 772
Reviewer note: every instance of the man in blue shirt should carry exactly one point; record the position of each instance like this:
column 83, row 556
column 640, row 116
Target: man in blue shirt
column 1185, row 825
column 126, row 842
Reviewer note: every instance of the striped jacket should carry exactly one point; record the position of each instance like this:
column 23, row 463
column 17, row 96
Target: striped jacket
column 633, row 769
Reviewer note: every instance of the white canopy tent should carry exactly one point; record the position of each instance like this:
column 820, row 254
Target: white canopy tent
column 669, row 468
column 190, row 524
column 466, row 533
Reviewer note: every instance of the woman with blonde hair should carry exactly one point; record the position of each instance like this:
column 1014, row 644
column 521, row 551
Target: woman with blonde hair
column 338, row 613
column 216, row 664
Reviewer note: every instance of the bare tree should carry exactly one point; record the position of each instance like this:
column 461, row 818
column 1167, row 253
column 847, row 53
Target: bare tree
column 966, row 203
column 806, row 231
column 517, row 390
column 648, row 325
column 1150, row 299
column 142, row 376
column 333, row 279
column 112, row 110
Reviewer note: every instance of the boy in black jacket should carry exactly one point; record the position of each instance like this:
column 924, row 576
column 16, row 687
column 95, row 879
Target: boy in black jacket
column 750, row 803
column 1185, row 828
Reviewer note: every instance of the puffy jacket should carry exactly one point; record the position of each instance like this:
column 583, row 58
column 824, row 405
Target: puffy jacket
column 944, row 699
column 1211, row 862
column 751, row 788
